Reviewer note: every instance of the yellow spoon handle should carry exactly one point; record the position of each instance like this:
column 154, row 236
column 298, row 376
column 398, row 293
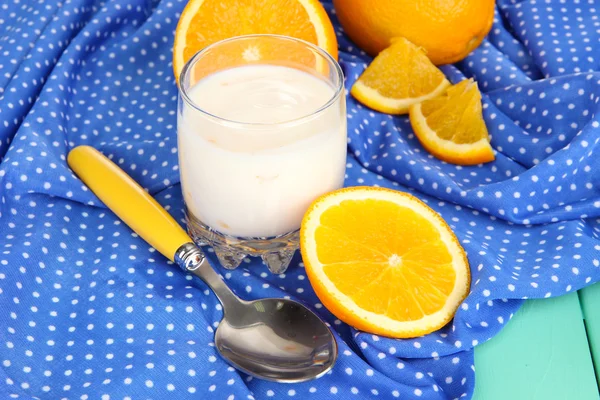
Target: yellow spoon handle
column 128, row 200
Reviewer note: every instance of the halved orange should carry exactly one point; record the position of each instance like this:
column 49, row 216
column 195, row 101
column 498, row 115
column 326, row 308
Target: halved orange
column 451, row 126
column 401, row 75
column 383, row 261
column 204, row 22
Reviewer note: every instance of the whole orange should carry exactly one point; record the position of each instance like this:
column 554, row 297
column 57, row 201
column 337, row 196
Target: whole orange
column 447, row 29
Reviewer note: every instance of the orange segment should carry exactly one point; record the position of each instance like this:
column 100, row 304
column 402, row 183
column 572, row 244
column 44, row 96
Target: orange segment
column 399, row 76
column 442, row 276
column 345, row 248
column 434, row 252
column 204, row 22
column 451, row 126
column 383, row 262
column 375, row 295
column 350, row 277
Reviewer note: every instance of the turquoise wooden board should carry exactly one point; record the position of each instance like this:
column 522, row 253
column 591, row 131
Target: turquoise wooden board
column 542, row 354
column 590, row 305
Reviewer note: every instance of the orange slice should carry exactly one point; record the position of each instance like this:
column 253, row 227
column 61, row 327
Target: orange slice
column 383, row 262
column 451, row 126
column 204, row 22
column 398, row 77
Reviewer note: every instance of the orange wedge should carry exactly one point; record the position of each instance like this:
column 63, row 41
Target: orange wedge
column 204, row 22
column 451, row 126
column 398, row 77
column 383, row 262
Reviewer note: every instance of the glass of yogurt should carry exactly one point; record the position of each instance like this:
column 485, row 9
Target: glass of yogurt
column 261, row 130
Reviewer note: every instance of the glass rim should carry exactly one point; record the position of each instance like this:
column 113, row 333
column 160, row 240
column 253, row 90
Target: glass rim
column 330, row 60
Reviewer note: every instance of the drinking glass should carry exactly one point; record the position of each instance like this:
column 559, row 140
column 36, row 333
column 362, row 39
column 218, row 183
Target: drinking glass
column 258, row 145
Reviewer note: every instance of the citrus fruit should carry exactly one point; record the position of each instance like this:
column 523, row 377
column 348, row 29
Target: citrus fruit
column 399, row 76
column 204, row 22
column 451, row 126
column 448, row 30
column 383, row 262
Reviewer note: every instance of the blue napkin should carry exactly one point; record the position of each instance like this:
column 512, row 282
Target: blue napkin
column 90, row 311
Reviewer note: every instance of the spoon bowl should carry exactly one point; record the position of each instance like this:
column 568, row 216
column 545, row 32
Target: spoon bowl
column 276, row 339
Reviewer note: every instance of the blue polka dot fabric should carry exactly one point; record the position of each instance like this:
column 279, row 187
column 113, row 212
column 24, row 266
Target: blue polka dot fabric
column 90, row 311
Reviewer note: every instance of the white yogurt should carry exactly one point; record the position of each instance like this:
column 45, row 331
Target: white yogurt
column 256, row 177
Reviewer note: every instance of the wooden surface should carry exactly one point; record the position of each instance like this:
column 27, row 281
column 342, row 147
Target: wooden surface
column 543, row 353
column 590, row 305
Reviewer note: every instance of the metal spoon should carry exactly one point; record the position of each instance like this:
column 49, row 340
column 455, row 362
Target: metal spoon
column 275, row 339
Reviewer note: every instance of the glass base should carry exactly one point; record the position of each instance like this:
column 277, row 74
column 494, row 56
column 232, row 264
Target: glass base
column 276, row 252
